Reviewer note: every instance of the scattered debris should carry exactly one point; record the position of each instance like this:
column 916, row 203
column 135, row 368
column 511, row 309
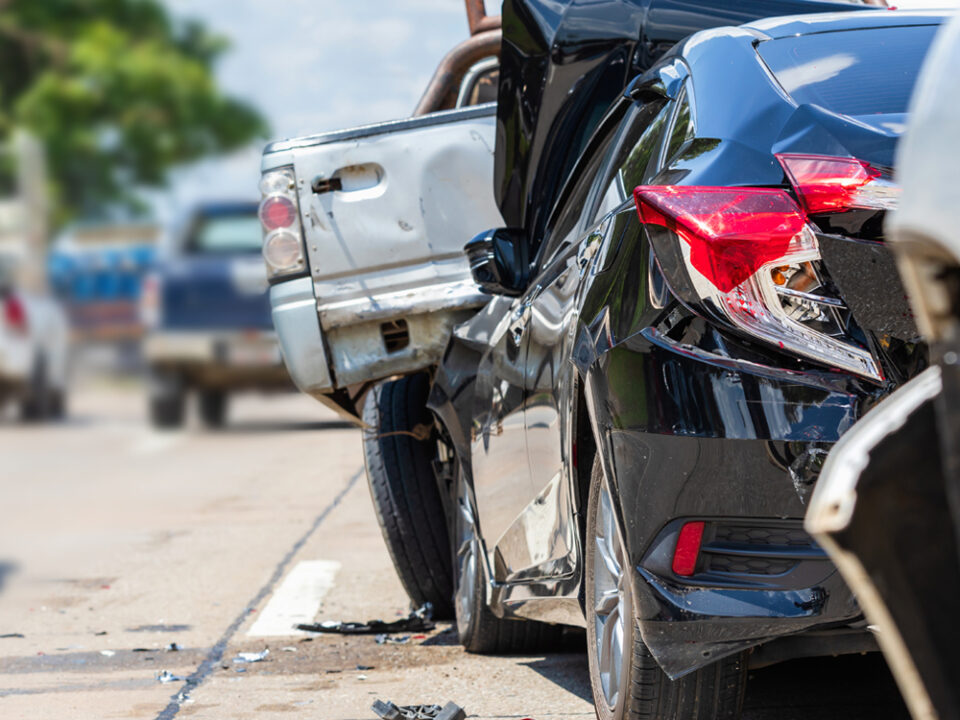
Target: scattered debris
column 364, row 667
column 102, row 632
column 108, row 653
column 419, row 620
column 389, row 711
column 251, row 657
column 12, row 635
column 288, row 648
column 384, row 639
column 361, row 677
column 143, row 650
column 173, row 647
column 165, row 676
column 159, row 627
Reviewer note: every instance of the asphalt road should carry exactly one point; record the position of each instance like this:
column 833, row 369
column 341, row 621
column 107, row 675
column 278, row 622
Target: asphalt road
column 117, row 541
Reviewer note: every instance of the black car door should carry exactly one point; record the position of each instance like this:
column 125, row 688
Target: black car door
column 604, row 212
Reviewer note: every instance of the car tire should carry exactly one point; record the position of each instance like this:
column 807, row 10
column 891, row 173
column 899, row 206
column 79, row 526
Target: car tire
column 213, row 407
column 57, row 409
column 404, row 489
column 636, row 688
column 478, row 629
column 168, row 400
column 35, row 405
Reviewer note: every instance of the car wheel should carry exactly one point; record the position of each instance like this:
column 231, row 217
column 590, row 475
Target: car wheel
column 627, row 682
column 213, row 407
column 478, row 629
column 35, row 405
column 399, row 453
column 168, row 400
column 57, row 409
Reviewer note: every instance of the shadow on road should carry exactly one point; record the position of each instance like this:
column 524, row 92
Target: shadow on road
column 261, row 426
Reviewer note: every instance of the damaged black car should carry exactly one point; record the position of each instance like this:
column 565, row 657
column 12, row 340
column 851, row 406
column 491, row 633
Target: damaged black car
column 626, row 436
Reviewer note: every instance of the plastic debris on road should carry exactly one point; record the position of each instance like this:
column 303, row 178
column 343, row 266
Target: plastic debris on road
column 108, row 653
column 420, row 620
column 389, row 711
column 384, row 639
column 165, row 676
column 251, row 657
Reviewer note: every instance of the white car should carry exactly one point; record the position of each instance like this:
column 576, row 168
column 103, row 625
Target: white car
column 34, row 341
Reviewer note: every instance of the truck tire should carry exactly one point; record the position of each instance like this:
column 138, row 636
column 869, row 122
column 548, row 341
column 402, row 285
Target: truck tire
column 213, row 407
column 35, row 405
column 168, row 400
column 405, row 493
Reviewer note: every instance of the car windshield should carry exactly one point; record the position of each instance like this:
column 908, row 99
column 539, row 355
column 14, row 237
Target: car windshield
column 851, row 72
column 234, row 233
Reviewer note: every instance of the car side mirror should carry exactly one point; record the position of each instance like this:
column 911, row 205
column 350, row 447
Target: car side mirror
column 499, row 261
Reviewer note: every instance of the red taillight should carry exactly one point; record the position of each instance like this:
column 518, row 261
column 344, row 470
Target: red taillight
column 829, row 184
column 688, row 548
column 276, row 212
column 732, row 232
column 14, row 314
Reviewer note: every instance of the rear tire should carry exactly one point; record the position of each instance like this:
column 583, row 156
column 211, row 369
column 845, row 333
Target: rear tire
column 168, row 400
column 36, row 404
column 478, row 629
column 213, row 407
column 627, row 682
column 404, row 489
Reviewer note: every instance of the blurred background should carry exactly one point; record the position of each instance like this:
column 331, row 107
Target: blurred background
column 130, row 136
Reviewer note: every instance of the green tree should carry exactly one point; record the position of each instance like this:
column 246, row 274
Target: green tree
column 118, row 91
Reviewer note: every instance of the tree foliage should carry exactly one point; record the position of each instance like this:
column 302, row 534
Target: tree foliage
column 118, row 92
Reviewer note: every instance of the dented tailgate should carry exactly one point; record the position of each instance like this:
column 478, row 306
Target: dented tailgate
column 386, row 210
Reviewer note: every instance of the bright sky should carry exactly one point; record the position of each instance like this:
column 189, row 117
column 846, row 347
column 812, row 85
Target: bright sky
column 314, row 65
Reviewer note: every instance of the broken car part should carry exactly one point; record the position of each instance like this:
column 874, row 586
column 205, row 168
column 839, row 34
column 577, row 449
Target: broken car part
column 417, row 621
column 389, row 711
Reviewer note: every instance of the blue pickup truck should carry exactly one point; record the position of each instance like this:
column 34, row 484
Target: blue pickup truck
column 207, row 316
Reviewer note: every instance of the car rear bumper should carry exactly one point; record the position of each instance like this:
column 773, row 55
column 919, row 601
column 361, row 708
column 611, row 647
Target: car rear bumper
column 692, row 436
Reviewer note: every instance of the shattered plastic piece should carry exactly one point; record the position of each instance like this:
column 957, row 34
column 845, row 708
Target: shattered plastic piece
column 108, row 653
column 102, row 632
column 417, row 621
column 173, row 647
column 251, row 657
column 288, row 648
column 364, row 667
column 12, row 635
column 165, row 676
column 389, row 711
column 384, row 639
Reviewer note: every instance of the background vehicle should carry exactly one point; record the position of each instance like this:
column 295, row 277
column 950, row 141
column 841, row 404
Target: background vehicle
column 630, row 429
column 897, row 467
column 208, row 317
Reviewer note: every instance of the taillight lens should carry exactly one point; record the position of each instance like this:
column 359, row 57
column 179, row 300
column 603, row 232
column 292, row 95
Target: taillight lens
column 827, row 184
column 750, row 255
column 15, row 314
column 279, row 213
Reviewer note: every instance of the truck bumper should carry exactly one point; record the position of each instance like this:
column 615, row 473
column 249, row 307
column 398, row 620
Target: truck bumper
column 329, row 346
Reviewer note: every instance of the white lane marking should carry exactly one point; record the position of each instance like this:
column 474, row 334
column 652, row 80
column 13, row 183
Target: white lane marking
column 297, row 600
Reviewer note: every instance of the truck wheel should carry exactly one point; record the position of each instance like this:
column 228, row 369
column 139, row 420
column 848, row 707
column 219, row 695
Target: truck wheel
column 404, row 489
column 627, row 682
column 168, row 400
column 36, row 403
column 478, row 629
column 213, row 407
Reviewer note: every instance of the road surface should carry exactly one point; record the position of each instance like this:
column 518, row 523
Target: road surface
column 118, row 542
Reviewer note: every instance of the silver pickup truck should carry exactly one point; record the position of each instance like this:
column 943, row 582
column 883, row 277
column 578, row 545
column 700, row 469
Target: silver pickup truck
column 363, row 239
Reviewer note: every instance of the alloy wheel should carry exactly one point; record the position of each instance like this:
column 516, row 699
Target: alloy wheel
column 467, row 557
column 609, row 602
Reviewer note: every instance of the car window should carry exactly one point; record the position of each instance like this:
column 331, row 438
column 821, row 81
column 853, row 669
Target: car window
column 634, row 155
column 570, row 209
column 226, row 234
column 683, row 126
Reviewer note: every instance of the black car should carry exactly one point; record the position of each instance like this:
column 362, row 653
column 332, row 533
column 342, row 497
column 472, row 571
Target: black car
column 629, row 431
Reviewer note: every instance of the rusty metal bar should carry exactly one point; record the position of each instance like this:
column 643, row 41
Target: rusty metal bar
column 441, row 92
column 477, row 17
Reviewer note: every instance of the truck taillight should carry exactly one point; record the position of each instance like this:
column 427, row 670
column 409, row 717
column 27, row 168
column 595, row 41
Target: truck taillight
column 750, row 256
column 14, row 314
column 279, row 212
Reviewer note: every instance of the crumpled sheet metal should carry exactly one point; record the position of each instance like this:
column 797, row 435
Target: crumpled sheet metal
column 389, row 711
column 420, row 620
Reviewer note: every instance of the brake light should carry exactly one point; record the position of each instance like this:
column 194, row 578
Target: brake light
column 14, row 314
column 749, row 255
column 834, row 184
column 688, row 548
column 283, row 249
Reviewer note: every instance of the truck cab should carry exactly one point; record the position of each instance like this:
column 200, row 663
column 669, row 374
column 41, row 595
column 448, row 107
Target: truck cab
column 207, row 315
